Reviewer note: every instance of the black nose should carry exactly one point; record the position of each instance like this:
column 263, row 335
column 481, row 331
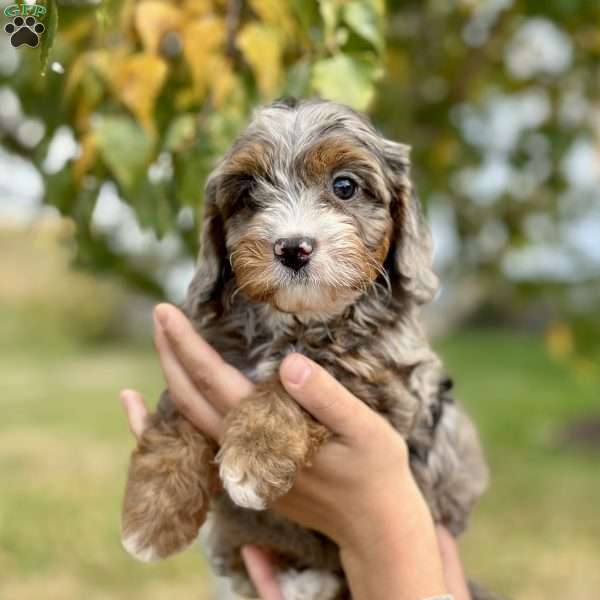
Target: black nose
column 295, row 252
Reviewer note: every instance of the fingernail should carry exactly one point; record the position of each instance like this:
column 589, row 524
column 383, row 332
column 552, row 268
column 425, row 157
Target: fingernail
column 297, row 369
column 162, row 314
column 249, row 548
column 124, row 395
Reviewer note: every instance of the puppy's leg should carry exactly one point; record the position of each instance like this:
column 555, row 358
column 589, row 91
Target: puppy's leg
column 171, row 477
column 267, row 438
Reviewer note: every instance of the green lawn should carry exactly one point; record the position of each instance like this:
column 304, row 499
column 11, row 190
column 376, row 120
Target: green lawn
column 64, row 449
column 63, row 454
column 536, row 533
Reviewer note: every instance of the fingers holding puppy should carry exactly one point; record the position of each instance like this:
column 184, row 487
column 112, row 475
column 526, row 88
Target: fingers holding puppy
column 184, row 392
column 202, row 385
column 136, row 411
column 222, row 385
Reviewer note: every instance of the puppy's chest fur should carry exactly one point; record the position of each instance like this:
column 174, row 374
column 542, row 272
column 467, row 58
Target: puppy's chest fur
column 379, row 354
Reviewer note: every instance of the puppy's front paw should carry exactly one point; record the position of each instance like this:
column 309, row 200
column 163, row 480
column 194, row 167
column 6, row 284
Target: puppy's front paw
column 254, row 476
column 267, row 438
column 241, row 484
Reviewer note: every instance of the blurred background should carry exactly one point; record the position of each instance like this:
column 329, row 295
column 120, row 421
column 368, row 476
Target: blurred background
column 107, row 131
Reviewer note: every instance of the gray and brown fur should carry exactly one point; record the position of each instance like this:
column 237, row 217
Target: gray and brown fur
column 354, row 309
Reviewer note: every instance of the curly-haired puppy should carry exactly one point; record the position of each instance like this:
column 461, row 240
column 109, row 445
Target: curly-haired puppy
column 312, row 242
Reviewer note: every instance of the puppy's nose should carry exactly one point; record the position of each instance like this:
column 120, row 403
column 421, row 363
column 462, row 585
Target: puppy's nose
column 294, row 252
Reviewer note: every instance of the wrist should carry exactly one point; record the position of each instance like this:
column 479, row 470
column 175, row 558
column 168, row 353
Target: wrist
column 394, row 508
column 392, row 550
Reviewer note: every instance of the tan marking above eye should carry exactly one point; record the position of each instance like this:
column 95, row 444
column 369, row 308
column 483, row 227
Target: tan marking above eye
column 253, row 159
column 332, row 153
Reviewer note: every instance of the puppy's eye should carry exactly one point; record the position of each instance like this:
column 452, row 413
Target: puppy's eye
column 344, row 187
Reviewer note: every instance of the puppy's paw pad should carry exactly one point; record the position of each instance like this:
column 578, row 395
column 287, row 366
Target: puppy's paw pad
column 241, row 486
column 311, row 584
column 134, row 545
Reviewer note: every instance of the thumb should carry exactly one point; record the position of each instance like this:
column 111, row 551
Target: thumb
column 328, row 401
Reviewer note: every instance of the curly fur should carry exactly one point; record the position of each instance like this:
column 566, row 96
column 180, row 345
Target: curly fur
column 354, row 310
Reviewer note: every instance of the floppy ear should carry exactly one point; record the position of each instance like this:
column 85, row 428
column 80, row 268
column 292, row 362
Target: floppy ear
column 213, row 267
column 411, row 255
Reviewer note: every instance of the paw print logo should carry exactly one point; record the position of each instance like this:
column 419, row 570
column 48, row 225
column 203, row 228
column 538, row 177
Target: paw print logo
column 24, row 31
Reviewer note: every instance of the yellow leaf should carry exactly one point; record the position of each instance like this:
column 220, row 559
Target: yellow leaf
column 102, row 61
column 203, row 40
column 86, row 158
column 137, row 82
column 277, row 14
column 77, row 70
column 262, row 47
column 559, row 340
column 96, row 60
column 153, row 19
column 202, row 8
column 379, row 6
column 223, row 80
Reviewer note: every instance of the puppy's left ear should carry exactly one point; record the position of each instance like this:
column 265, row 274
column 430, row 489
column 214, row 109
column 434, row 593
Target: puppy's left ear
column 411, row 254
column 213, row 268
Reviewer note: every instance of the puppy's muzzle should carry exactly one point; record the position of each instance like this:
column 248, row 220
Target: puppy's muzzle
column 294, row 253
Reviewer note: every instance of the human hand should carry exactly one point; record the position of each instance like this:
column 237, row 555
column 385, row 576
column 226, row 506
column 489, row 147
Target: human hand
column 262, row 570
column 358, row 491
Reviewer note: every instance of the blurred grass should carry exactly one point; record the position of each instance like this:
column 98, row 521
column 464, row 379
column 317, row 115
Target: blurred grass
column 64, row 449
column 63, row 455
column 535, row 534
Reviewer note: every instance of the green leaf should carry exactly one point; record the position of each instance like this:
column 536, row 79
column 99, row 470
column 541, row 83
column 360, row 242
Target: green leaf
column 124, row 148
column 107, row 12
column 50, row 33
column 152, row 208
column 363, row 18
column 298, row 80
column 347, row 79
column 60, row 190
column 306, row 13
column 181, row 132
column 329, row 10
column 191, row 170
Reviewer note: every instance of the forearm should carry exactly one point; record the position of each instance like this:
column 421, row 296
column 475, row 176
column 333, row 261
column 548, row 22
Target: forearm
column 394, row 553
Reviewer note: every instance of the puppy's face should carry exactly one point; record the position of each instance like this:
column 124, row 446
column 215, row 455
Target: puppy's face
column 308, row 200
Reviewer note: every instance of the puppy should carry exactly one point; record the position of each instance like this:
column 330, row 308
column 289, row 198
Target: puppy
column 312, row 241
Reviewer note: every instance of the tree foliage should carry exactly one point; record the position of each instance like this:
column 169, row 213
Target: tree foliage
column 497, row 97
column 155, row 90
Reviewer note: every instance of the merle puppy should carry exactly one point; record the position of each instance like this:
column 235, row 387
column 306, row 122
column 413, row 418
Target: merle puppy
column 313, row 241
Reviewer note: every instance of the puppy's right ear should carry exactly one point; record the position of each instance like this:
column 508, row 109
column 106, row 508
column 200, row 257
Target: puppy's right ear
column 213, row 267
